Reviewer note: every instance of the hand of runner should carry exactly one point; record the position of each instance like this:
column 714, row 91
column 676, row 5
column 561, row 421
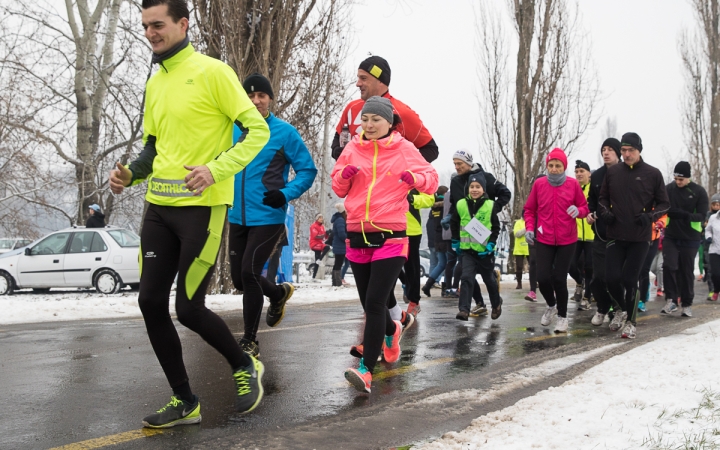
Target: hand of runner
column 573, row 211
column 591, row 218
column 530, row 237
column 120, row 177
column 199, row 179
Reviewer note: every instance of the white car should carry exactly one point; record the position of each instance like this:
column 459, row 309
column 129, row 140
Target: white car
column 104, row 258
column 10, row 244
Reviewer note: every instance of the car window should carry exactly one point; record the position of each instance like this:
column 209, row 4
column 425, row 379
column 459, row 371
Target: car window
column 6, row 244
column 125, row 238
column 22, row 243
column 51, row 245
column 98, row 245
column 82, row 242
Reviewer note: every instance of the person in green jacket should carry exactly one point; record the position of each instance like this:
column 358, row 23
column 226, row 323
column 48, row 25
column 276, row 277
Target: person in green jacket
column 521, row 251
column 581, row 269
column 189, row 161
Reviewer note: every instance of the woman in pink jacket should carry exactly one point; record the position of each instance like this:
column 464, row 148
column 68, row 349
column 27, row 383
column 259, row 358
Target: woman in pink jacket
column 554, row 203
column 374, row 174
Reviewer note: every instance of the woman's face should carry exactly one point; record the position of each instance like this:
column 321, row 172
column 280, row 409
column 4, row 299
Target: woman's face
column 375, row 126
column 555, row 167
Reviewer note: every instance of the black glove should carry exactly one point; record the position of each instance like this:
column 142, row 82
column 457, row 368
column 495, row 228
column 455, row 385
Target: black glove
column 609, row 218
column 643, row 220
column 274, row 199
column 678, row 213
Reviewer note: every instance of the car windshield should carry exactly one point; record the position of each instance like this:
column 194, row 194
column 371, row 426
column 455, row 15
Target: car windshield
column 125, row 238
column 6, row 244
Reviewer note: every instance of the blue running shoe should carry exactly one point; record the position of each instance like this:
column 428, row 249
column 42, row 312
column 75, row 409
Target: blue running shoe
column 641, row 306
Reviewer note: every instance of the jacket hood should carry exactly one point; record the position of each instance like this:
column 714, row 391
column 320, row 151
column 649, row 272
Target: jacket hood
column 335, row 216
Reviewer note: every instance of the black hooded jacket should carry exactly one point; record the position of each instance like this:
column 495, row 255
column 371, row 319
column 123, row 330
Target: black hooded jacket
column 495, row 190
column 688, row 204
column 97, row 220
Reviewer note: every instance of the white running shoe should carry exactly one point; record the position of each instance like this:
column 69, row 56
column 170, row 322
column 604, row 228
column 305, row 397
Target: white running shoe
column 548, row 316
column 561, row 326
column 584, row 304
column 598, row 319
column 618, row 321
column 670, row 307
column 629, row 331
column 686, row 312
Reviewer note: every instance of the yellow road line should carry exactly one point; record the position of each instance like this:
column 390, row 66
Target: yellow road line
column 113, row 439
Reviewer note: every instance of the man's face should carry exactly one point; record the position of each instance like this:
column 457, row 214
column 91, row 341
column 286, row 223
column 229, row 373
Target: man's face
column 715, row 206
column 681, row 182
column 92, row 211
column 261, row 101
column 369, row 85
column 461, row 167
column 609, row 156
column 582, row 175
column 630, row 155
column 160, row 30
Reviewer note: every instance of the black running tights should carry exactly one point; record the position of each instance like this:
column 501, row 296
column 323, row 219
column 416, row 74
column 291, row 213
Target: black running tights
column 553, row 264
column 172, row 237
column 623, row 261
column 374, row 281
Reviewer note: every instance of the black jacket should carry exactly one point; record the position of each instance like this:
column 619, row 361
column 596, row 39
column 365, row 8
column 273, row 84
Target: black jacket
column 473, row 207
column 689, row 204
column 97, row 220
column 627, row 194
column 495, row 190
column 596, row 181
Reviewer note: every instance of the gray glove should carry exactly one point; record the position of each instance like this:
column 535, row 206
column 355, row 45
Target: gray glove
column 520, row 233
column 530, row 237
column 573, row 211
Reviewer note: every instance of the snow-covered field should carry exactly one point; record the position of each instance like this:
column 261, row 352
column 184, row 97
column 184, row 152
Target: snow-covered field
column 64, row 304
column 664, row 394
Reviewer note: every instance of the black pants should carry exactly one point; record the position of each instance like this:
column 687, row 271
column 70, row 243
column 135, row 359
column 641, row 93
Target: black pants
column 623, row 261
column 171, row 239
column 249, row 248
column 581, row 269
column 374, row 281
column 319, row 254
column 644, row 280
column 519, row 267
column 553, row 263
column 412, row 269
column 273, row 265
column 598, row 283
column 472, row 265
column 339, row 261
column 452, row 260
column 456, row 268
column 678, row 265
column 532, row 268
column 715, row 262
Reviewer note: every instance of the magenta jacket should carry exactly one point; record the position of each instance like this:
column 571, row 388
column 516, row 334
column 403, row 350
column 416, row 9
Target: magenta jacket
column 547, row 207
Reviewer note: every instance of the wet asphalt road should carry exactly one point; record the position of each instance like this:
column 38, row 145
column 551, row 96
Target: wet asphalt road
column 87, row 384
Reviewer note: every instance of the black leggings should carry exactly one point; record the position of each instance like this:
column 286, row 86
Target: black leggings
column 374, row 282
column 715, row 274
column 412, row 269
column 644, row 279
column 339, row 261
column 553, row 263
column 171, row 239
column 581, row 269
column 319, row 254
column 623, row 261
column 598, row 284
column 250, row 248
column 678, row 263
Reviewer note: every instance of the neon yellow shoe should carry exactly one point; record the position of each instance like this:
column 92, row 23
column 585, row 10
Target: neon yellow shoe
column 248, row 382
column 176, row 412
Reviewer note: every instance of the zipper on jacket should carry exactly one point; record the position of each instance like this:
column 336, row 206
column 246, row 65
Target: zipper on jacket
column 372, row 183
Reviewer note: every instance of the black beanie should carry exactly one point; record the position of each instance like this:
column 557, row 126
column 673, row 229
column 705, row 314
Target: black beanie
column 377, row 67
column 682, row 169
column 258, row 83
column 631, row 139
column 582, row 165
column 480, row 178
column 613, row 144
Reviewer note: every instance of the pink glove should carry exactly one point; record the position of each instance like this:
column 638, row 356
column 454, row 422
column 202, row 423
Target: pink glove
column 349, row 172
column 408, row 178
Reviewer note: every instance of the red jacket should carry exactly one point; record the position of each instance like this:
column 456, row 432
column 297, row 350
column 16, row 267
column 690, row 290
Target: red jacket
column 317, row 236
column 375, row 198
column 547, row 207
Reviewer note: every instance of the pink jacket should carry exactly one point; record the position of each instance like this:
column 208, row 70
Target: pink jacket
column 375, row 198
column 547, row 207
column 316, row 230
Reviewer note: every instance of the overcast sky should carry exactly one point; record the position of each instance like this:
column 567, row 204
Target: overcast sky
column 429, row 46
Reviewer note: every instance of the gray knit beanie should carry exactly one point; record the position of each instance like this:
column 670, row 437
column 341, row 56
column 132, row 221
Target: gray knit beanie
column 380, row 106
column 715, row 198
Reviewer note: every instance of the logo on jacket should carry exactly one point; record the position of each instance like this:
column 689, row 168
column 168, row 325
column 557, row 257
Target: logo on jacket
column 388, row 174
column 189, row 81
column 150, row 255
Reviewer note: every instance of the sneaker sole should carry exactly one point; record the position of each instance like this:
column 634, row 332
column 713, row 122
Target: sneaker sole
column 357, row 382
column 409, row 325
column 260, row 369
column 560, row 332
column 398, row 343
column 627, row 336
column 184, row 421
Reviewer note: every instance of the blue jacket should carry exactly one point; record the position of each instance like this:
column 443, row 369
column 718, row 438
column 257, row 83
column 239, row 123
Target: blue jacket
column 268, row 171
column 339, row 234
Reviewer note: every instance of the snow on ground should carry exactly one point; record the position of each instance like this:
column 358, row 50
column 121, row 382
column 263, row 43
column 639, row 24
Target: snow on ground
column 65, row 304
column 664, row 394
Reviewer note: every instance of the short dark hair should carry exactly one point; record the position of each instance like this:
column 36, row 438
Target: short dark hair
column 177, row 9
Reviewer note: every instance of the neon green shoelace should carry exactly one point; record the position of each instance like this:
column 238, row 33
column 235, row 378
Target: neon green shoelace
column 241, row 379
column 174, row 401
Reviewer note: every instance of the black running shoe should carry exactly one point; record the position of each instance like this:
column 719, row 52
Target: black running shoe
column 248, row 382
column 462, row 315
column 177, row 412
column 252, row 348
column 276, row 311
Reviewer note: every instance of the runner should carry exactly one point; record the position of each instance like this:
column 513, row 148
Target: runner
column 477, row 255
column 555, row 201
column 257, row 220
column 712, row 236
column 632, row 198
column 191, row 105
column 688, row 208
column 610, row 151
column 644, row 280
column 581, row 268
column 416, row 201
column 521, row 251
column 705, row 246
column 374, row 175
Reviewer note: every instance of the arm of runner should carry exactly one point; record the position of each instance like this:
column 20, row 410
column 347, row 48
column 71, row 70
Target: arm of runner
column 426, row 177
column 581, row 202
column 429, row 151
column 702, row 207
column 662, row 203
column 302, row 163
column 335, row 146
column 530, row 210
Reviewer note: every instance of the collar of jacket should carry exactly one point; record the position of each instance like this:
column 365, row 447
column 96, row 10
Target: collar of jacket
column 175, row 56
column 634, row 166
column 385, row 141
column 269, row 117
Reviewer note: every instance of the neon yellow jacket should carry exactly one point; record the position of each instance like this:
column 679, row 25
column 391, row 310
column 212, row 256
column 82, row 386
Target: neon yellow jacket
column 521, row 246
column 585, row 231
column 191, row 105
column 420, row 201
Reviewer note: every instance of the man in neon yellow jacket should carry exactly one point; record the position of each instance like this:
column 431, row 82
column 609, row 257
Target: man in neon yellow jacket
column 581, row 269
column 417, row 201
column 189, row 160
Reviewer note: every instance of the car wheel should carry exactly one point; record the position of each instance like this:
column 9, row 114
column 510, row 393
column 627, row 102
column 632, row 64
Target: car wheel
column 422, row 271
column 41, row 290
column 107, row 282
column 6, row 283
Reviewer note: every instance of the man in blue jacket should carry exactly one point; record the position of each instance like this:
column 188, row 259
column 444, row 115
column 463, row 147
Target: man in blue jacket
column 257, row 219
